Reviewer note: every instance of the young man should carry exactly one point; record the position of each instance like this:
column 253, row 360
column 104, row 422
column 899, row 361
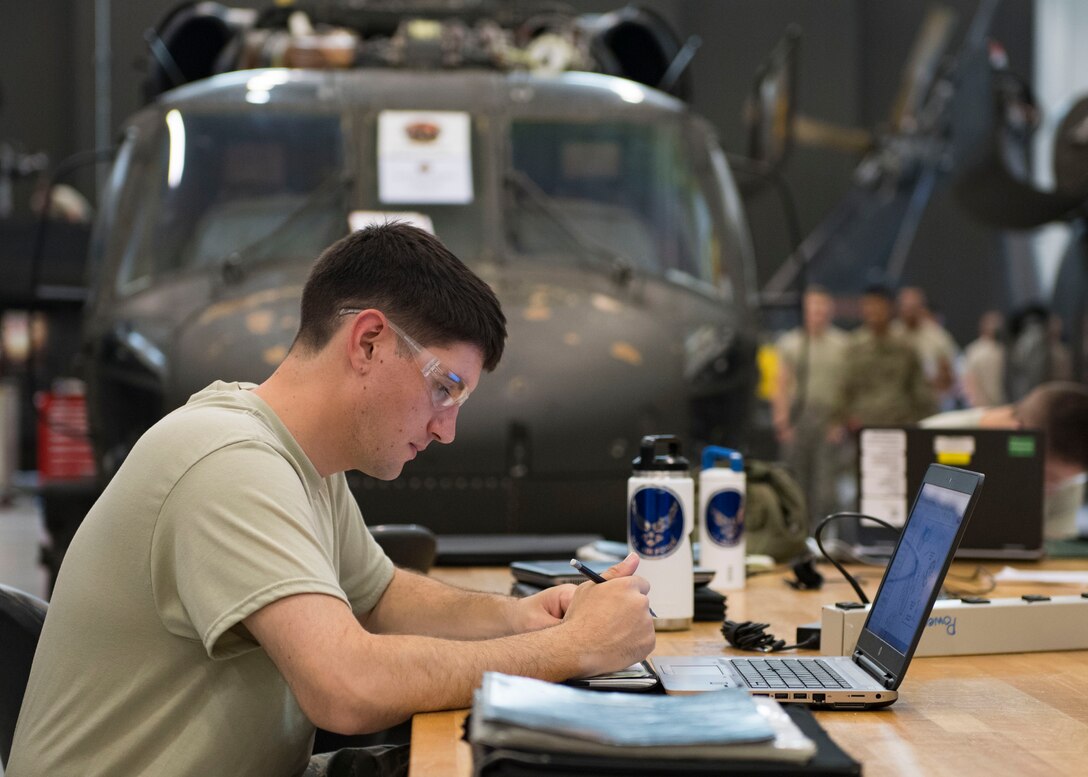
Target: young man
column 223, row 596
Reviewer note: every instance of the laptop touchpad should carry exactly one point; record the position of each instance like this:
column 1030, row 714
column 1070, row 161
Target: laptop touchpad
column 696, row 670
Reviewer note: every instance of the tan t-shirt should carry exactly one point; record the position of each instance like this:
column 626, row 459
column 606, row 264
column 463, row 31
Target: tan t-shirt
column 825, row 360
column 215, row 513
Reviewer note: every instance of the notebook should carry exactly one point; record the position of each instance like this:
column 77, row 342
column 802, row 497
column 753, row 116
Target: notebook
column 869, row 678
column 1009, row 521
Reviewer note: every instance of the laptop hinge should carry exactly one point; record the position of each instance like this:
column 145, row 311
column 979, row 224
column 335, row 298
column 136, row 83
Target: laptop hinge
column 878, row 672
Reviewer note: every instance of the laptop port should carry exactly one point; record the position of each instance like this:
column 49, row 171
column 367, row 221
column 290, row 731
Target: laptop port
column 799, row 696
column 781, row 695
column 819, row 698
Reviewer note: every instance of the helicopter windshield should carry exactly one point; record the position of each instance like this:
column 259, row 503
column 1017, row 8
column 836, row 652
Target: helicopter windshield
column 219, row 190
column 234, row 188
column 615, row 191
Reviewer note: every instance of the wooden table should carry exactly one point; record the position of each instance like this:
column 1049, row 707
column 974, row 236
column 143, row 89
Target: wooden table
column 1010, row 714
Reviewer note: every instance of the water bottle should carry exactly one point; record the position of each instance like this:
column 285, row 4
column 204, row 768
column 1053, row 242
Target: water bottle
column 721, row 507
column 660, row 518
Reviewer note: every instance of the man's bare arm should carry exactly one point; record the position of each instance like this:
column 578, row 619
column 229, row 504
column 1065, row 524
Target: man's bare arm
column 415, row 604
column 349, row 680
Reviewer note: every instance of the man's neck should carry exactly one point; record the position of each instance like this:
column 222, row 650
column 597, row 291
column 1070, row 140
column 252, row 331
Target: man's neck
column 305, row 402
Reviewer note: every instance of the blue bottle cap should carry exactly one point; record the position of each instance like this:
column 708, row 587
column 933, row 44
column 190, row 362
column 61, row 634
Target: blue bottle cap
column 713, row 453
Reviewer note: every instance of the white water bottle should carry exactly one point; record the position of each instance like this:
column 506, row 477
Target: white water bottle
column 721, row 507
column 660, row 519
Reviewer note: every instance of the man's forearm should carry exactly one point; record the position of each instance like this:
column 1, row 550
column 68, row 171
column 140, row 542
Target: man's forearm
column 349, row 679
column 408, row 674
column 415, row 604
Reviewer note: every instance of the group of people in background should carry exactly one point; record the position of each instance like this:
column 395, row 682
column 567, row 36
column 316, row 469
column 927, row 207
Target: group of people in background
column 900, row 367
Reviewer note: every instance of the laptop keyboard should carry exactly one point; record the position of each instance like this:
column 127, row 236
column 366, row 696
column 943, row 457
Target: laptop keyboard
column 788, row 673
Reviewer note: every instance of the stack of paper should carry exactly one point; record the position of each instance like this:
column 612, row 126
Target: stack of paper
column 520, row 713
column 636, row 677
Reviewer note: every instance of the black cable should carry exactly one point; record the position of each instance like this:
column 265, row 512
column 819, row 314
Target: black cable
column 819, row 544
column 748, row 635
column 751, row 636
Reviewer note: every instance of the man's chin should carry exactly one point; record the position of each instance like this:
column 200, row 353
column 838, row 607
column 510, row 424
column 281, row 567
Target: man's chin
column 391, row 472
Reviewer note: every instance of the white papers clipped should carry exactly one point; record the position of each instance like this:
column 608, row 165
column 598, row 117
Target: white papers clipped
column 884, row 474
column 425, row 157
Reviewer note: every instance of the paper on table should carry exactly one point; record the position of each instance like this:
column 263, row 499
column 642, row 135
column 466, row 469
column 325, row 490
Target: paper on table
column 634, row 677
column 1013, row 575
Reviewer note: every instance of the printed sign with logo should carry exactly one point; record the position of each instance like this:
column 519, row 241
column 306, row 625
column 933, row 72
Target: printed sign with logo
column 725, row 518
column 425, row 157
column 656, row 522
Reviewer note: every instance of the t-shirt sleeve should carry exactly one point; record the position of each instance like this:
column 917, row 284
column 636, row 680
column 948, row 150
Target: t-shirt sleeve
column 237, row 532
column 365, row 569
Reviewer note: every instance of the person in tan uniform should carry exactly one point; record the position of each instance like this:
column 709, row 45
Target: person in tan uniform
column 224, row 597
column 984, row 363
column 811, row 360
column 936, row 348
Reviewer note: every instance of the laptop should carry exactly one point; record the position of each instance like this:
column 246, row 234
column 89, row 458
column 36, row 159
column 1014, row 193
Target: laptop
column 869, row 678
column 1010, row 520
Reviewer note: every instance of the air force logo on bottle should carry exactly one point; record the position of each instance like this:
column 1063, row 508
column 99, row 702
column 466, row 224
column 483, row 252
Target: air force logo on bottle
column 655, row 522
column 725, row 518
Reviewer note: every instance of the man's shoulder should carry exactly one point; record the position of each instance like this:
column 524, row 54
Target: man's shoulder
column 222, row 413
column 217, row 418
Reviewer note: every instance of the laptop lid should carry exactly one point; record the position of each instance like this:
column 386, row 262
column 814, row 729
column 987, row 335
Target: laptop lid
column 914, row 574
column 1009, row 521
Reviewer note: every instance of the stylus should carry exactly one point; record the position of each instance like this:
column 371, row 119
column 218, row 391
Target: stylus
column 595, row 577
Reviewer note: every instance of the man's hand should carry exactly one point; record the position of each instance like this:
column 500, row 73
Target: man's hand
column 542, row 610
column 549, row 607
column 612, row 620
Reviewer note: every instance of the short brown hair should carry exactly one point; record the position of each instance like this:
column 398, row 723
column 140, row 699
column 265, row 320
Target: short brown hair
column 1060, row 409
column 411, row 277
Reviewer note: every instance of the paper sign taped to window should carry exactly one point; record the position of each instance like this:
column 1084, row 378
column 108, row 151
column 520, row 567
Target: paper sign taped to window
column 425, row 157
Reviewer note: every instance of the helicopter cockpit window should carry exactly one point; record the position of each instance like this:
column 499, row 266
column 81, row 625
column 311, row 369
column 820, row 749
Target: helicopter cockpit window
column 626, row 193
column 237, row 188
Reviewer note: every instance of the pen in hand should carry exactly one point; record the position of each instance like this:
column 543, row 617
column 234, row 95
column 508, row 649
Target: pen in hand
column 596, row 578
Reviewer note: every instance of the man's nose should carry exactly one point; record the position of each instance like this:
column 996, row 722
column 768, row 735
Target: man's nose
column 443, row 426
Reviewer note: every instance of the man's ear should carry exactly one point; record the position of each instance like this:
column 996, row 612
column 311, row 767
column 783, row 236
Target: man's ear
column 364, row 331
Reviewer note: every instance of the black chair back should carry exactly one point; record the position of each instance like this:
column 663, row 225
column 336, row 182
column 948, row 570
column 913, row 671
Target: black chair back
column 21, row 618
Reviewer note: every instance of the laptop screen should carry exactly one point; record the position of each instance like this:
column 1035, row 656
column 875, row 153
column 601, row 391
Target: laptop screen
column 917, row 569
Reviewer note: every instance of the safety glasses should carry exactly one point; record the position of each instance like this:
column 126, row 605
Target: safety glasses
column 447, row 388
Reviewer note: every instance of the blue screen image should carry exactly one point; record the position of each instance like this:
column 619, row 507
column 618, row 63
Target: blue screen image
column 915, row 570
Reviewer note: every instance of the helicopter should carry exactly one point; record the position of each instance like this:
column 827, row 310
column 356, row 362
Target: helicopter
column 552, row 152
